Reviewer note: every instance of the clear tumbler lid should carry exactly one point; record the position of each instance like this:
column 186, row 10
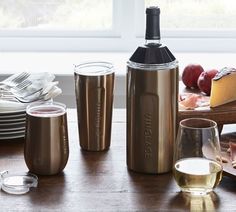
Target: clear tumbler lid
column 95, row 68
column 46, row 109
column 18, row 183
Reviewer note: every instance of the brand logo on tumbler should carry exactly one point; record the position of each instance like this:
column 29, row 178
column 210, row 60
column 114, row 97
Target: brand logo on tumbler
column 148, row 135
column 98, row 119
column 65, row 142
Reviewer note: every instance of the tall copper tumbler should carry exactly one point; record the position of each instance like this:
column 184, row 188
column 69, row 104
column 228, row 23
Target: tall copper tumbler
column 46, row 146
column 94, row 85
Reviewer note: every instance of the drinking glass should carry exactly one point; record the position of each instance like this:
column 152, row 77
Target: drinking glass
column 197, row 160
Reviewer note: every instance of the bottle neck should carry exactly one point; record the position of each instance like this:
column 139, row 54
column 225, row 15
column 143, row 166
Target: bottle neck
column 155, row 42
column 152, row 34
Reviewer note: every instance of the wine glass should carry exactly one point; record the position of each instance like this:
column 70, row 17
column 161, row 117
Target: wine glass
column 197, row 159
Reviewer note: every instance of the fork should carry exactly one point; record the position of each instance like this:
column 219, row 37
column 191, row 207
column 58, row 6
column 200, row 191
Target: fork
column 16, row 91
column 27, row 99
column 22, row 85
column 14, row 80
column 23, row 100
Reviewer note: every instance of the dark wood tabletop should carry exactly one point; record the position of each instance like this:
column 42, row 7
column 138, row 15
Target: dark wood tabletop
column 100, row 181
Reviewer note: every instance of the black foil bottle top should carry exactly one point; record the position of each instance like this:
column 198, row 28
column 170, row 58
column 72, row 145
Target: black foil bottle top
column 152, row 52
column 153, row 23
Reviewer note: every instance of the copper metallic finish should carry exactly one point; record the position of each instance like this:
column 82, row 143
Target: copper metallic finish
column 46, row 146
column 152, row 97
column 94, row 98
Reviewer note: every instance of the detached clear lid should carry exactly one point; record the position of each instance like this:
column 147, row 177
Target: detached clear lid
column 17, row 183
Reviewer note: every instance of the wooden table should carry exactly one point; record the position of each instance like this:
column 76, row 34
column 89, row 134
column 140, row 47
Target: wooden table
column 101, row 182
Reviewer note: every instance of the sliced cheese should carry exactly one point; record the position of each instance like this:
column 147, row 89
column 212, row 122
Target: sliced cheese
column 223, row 87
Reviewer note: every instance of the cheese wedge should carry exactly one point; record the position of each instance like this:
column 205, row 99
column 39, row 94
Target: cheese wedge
column 223, row 87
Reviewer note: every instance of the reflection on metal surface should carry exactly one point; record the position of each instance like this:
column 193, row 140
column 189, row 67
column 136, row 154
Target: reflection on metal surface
column 151, row 118
column 94, row 98
column 46, row 146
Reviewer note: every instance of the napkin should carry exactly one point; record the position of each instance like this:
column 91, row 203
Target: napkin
column 38, row 81
column 50, row 90
column 41, row 87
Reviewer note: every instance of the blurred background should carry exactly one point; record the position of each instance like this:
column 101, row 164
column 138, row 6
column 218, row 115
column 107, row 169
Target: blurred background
column 86, row 25
column 53, row 35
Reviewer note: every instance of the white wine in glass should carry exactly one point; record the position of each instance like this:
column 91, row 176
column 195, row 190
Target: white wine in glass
column 197, row 160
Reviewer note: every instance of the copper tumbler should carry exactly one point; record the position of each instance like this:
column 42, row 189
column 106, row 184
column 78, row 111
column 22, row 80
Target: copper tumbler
column 94, row 84
column 46, row 147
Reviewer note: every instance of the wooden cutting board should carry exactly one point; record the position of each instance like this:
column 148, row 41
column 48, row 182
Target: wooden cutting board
column 228, row 169
column 224, row 114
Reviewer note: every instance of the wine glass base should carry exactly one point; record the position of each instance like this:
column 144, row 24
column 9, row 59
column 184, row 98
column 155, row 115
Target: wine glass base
column 196, row 191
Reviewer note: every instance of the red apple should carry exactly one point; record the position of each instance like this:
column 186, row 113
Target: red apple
column 190, row 75
column 204, row 81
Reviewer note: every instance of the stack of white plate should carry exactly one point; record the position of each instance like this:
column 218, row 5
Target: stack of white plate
column 12, row 124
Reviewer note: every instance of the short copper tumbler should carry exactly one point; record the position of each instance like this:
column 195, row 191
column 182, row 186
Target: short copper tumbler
column 94, row 85
column 46, row 145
